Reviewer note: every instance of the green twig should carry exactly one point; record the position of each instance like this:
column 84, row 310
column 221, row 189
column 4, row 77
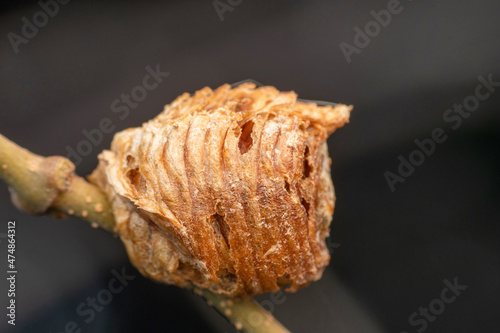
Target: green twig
column 41, row 185
column 244, row 314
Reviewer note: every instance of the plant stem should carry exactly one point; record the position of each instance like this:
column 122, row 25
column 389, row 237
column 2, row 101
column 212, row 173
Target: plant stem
column 40, row 185
column 244, row 314
column 48, row 185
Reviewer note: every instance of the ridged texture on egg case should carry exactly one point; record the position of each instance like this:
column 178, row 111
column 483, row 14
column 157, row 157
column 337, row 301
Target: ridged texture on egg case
column 228, row 190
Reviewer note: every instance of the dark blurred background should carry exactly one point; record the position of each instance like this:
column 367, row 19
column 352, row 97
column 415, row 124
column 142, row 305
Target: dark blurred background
column 391, row 250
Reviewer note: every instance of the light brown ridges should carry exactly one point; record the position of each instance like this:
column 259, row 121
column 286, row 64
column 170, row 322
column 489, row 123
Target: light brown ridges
column 227, row 190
